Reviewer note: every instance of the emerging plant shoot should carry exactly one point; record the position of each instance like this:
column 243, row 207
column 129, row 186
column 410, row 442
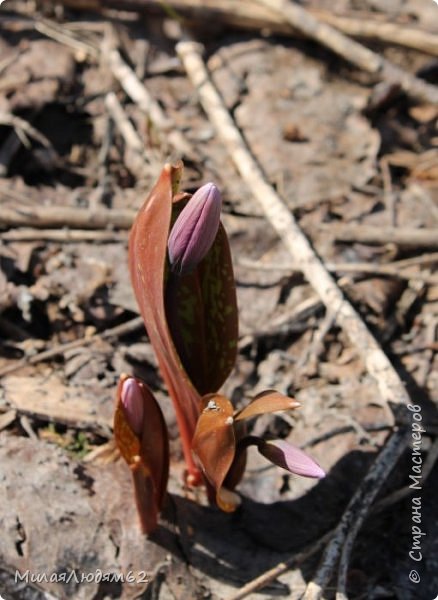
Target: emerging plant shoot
column 182, row 275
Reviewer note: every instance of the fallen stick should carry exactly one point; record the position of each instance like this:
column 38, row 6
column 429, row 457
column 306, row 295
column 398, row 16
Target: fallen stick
column 268, row 576
column 114, row 332
column 66, row 216
column 250, row 15
column 400, row 494
column 25, row 128
column 371, row 234
column 126, row 128
column 352, row 51
column 390, row 270
column 341, row 593
column 341, row 430
column 390, row 32
column 19, row 136
column 134, row 155
column 63, row 235
column 355, row 514
column 377, row 363
column 137, row 91
column 63, row 36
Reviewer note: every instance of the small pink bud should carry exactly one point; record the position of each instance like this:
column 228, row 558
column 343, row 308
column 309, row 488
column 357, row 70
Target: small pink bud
column 133, row 404
column 195, row 229
column 290, row 458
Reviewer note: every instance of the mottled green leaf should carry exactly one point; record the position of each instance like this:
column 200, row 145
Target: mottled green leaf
column 201, row 308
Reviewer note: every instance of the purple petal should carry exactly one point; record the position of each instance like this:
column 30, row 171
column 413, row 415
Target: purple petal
column 290, row 458
column 195, row 229
column 133, row 404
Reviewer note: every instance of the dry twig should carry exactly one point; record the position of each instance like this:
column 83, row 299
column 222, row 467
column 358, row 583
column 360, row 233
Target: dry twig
column 22, row 130
column 25, row 129
column 268, row 576
column 352, row 51
column 65, row 216
column 407, row 237
column 126, row 128
column 139, row 94
column 355, row 514
column 392, row 269
column 135, row 158
column 248, row 14
column 62, row 236
column 341, row 593
column 367, row 27
column 114, row 332
column 429, row 463
column 377, row 363
column 354, row 517
column 63, row 36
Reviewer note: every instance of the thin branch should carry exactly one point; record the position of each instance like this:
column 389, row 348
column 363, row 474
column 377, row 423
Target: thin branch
column 341, row 593
column 63, row 236
column 63, row 36
column 391, row 269
column 114, row 332
column 65, row 216
column 280, row 217
column 268, row 576
column 126, row 128
column 366, row 27
column 370, row 234
column 356, row 512
column 248, row 14
column 343, row 429
column 134, row 156
column 139, row 94
column 400, row 494
column 26, row 128
column 352, row 51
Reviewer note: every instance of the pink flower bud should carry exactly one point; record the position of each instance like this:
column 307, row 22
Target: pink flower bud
column 290, row 458
column 195, row 229
column 133, row 404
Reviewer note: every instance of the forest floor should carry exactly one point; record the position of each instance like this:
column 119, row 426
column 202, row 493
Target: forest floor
column 354, row 157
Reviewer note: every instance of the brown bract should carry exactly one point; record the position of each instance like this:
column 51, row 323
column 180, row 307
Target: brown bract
column 147, row 454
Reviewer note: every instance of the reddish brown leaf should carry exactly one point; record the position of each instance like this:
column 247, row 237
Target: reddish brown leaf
column 266, row 402
column 147, row 256
column 214, row 444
